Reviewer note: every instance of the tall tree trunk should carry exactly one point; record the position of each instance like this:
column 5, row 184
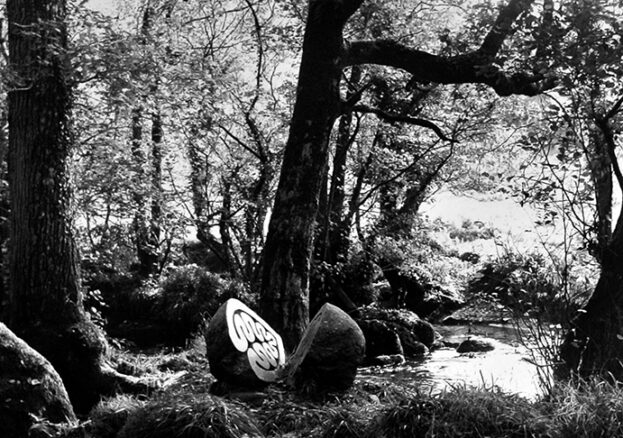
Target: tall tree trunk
column 284, row 295
column 155, row 228
column 337, row 229
column 4, row 218
column 201, row 204
column 225, row 225
column 46, row 303
column 594, row 345
column 601, row 174
column 147, row 196
column 145, row 250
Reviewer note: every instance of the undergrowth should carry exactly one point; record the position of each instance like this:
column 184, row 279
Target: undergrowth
column 372, row 408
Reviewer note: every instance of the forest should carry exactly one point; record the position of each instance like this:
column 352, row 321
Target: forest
column 282, row 218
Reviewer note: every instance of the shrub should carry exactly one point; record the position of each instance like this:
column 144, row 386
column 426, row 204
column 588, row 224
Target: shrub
column 530, row 285
column 190, row 294
column 355, row 277
column 471, row 231
column 422, row 261
column 187, row 415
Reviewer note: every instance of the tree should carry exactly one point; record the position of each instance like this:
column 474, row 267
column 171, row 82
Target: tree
column 288, row 249
column 46, row 301
column 594, row 345
column 582, row 125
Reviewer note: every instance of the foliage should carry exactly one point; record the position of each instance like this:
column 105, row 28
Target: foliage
column 190, row 295
column 531, row 285
column 178, row 303
column 421, row 256
column 355, row 277
column 572, row 133
column 471, row 230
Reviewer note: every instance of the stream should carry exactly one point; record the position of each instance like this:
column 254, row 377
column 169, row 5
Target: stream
column 510, row 367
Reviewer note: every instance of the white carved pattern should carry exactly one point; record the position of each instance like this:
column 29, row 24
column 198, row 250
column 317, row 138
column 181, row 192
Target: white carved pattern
column 251, row 334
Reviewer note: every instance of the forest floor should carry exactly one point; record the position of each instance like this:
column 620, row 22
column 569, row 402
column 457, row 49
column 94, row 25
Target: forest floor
column 183, row 406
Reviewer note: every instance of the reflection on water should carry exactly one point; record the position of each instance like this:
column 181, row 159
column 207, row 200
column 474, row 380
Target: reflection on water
column 508, row 367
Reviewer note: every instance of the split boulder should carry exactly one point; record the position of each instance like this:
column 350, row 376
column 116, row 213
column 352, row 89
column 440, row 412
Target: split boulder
column 331, row 350
column 242, row 349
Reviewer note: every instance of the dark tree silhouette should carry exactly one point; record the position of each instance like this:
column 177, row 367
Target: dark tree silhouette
column 45, row 306
column 284, row 294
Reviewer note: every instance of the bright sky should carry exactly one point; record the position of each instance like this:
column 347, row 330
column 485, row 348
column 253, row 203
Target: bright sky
column 104, row 6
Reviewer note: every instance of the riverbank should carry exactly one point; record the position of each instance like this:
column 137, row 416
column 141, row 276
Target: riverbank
column 377, row 406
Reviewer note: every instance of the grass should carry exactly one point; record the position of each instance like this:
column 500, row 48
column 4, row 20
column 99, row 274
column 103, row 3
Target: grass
column 586, row 409
column 375, row 407
column 462, row 412
column 189, row 416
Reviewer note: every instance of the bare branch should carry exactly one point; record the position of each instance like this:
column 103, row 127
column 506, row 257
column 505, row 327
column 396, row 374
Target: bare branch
column 614, row 110
column 502, row 27
column 260, row 56
column 389, row 117
column 473, row 67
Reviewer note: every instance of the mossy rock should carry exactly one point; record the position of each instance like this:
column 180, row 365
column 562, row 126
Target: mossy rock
column 29, row 388
column 408, row 325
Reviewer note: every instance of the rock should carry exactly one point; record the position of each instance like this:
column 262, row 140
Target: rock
column 480, row 310
column 385, row 360
column 380, row 338
column 30, row 388
column 331, row 350
column 438, row 302
column 470, row 257
column 410, row 342
column 473, row 345
column 242, row 349
column 405, row 323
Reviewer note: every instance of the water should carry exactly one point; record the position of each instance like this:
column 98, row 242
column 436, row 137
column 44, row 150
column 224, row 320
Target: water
column 509, row 367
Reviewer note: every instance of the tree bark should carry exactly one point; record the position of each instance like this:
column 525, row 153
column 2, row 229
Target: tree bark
column 284, row 295
column 145, row 250
column 46, row 303
column 601, row 174
column 5, row 209
column 147, row 217
column 155, row 226
column 594, row 345
column 337, row 229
